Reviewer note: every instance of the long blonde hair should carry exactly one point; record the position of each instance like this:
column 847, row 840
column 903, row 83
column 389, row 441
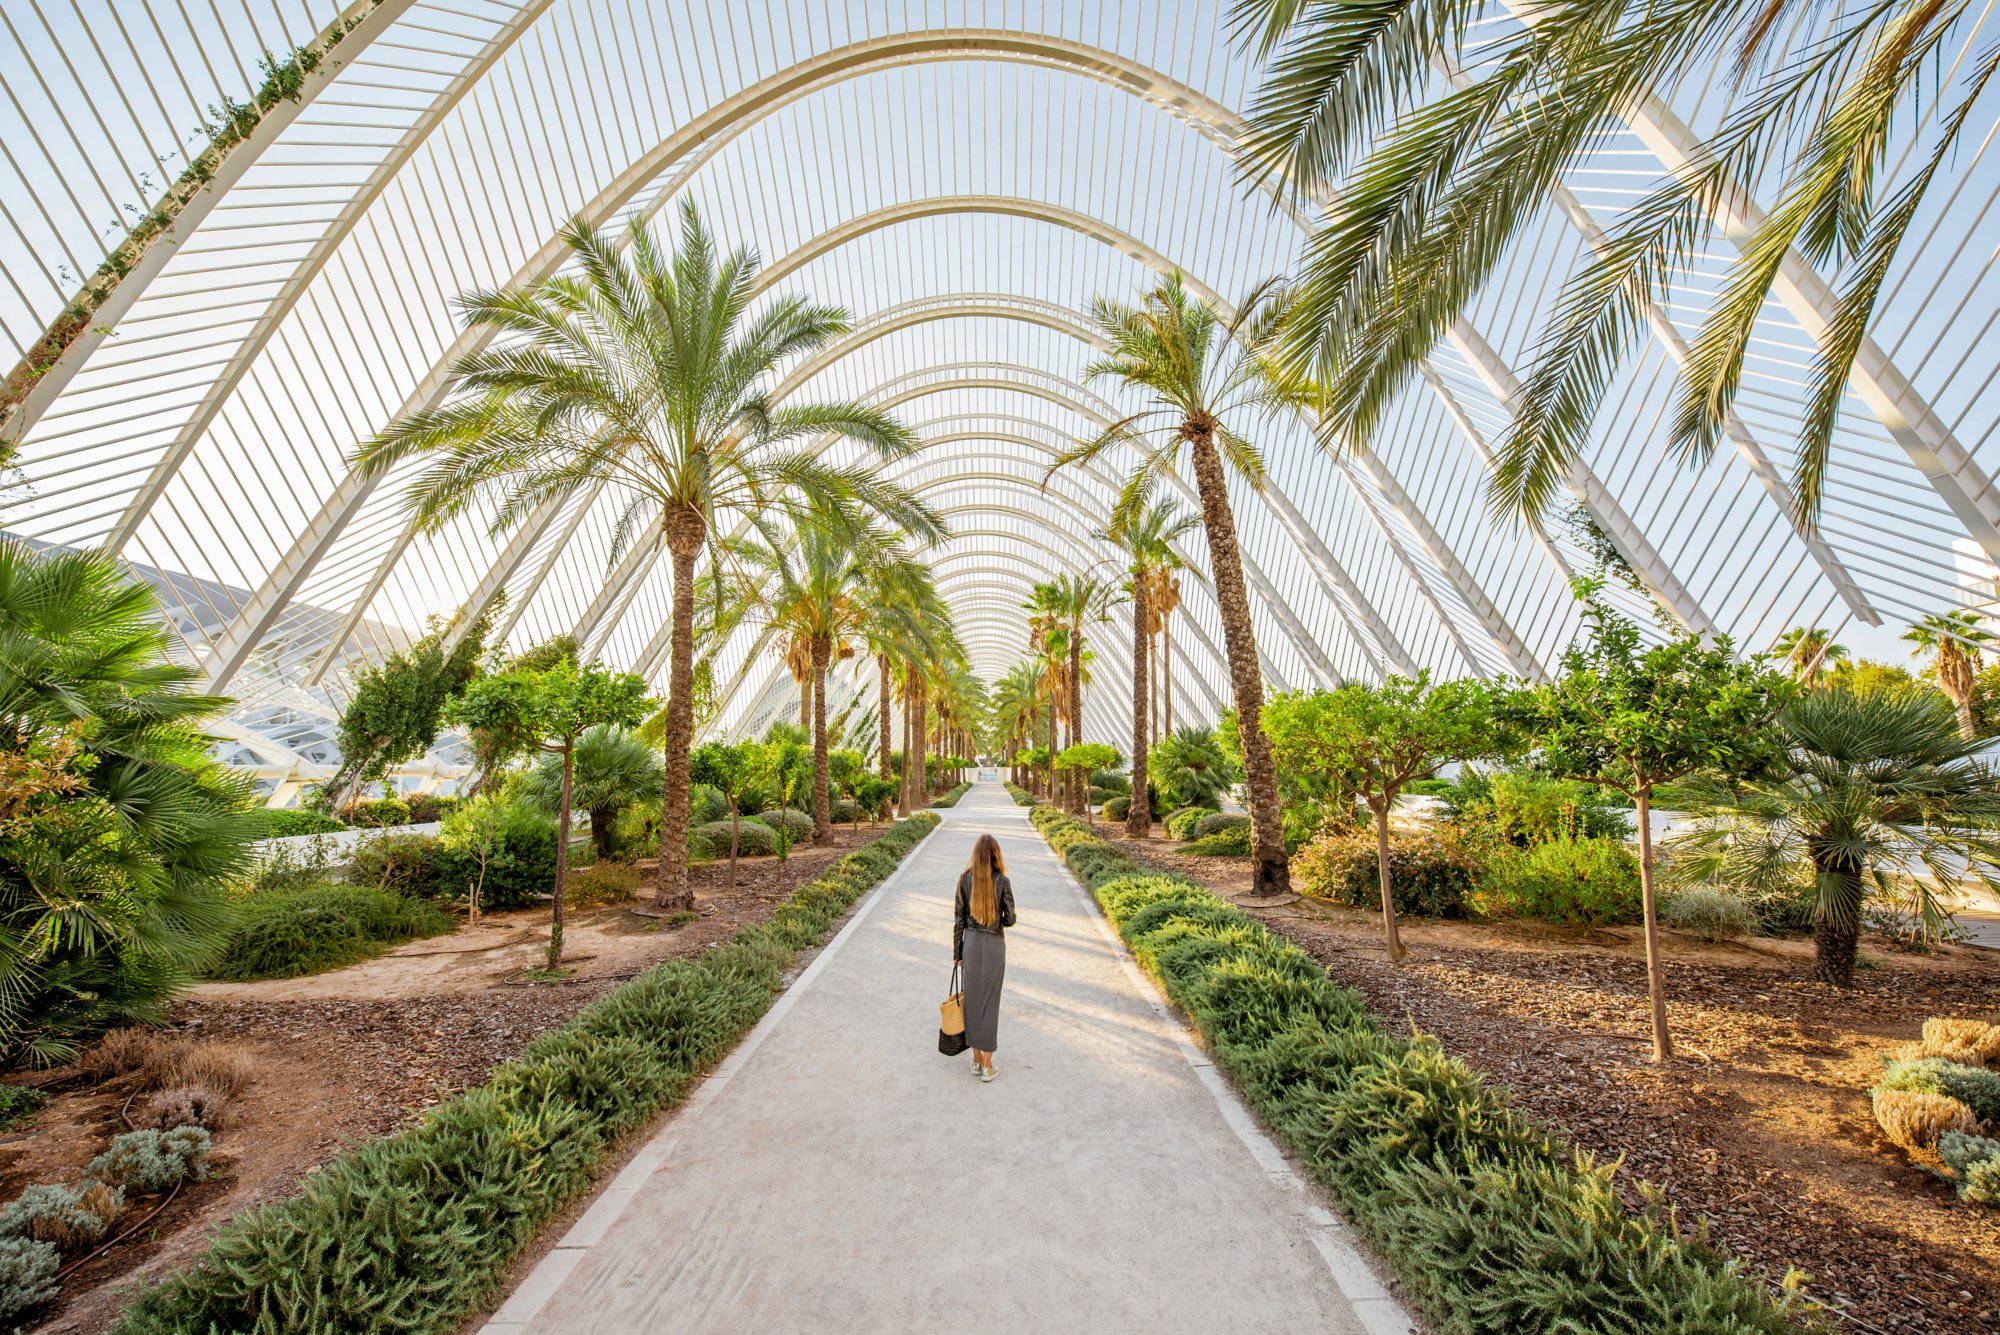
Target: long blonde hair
column 986, row 864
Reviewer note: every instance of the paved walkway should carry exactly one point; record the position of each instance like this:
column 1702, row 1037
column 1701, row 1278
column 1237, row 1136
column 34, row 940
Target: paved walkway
column 837, row 1174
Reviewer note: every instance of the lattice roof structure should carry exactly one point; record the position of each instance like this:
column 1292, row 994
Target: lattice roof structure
column 197, row 361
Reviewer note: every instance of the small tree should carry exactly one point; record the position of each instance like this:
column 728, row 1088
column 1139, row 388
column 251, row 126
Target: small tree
column 726, row 768
column 613, row 770
column 1373, row 740
column 1083, row 760
column 1631, row 718
column 398, row 704
column 556, row 706
column 782, row 763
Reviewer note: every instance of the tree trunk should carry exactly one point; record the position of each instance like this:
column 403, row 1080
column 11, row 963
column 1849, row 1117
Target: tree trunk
column 882, row 661
column 1656, row 980
column 1837, row 926
column 1167, row 669
column 1390, row 936
column 562, row 858
column 806, row 704
column 735, row 823
column 1050, row 775
column 685, row 529
column 601, row 819
column 1139, row 817
column 903, row 779
column 921, row 784
column 822, row 651
column 1080, row 785
column 1270, row 872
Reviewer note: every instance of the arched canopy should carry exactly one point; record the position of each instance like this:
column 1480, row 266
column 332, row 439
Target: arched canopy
column 965, row 185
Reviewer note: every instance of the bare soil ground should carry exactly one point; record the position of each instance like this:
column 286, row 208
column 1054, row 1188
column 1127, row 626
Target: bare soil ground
column 348, row 1056
column 1761, row 1125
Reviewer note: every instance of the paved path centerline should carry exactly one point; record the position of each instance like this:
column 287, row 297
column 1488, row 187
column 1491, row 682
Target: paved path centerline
column 836, row 1174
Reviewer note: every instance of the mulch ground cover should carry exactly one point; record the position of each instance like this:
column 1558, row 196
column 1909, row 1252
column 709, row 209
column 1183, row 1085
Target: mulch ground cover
column 1761, row 1126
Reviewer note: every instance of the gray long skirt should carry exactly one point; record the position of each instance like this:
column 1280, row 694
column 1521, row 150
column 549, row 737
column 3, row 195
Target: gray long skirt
column 985, row 968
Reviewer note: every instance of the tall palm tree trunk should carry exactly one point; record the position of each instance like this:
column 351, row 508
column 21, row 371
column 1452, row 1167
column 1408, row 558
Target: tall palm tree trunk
column 1139, row 817
column 1049, row 776
column 822, row 651
column 882, row 661
column 1270, row 873
column 671, row 894
column 920, row 787
column 1167, row 674
column 909, row 761
column 1079, row 792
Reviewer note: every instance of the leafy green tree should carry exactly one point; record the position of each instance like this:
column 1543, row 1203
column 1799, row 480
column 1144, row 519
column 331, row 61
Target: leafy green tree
column 1374, row 740
column 1869, row 786
column 1083, row 760
column 642, row 366
column 557, row 705
column 1191, row 769
column 783, row 765
column 1631, row 717
column 727, row 768
column 119, row 834
column 1191, row 365
column 398, row 704
column 614, row 770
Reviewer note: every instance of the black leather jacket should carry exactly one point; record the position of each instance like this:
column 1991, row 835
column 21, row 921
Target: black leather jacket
column 1003, row 891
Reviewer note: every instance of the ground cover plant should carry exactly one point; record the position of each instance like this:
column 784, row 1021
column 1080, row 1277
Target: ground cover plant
column 290, row 932
column 411, row 1233
column 1939, row 1101
column 950, row 799
column 1494, row 1225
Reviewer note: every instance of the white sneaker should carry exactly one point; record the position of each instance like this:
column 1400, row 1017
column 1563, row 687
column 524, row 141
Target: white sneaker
column 986, row 1074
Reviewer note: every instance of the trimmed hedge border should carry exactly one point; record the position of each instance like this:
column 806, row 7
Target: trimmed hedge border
column 950, row 799
column 411, row 1233
column 1022, row 797
column 1494, row 1225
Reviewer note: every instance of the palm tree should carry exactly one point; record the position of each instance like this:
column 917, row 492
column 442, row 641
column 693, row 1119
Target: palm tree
column 1166, row 600
column 1192, row 768
column 1081, row 600
column 612, row 769
column 644, row 370
column 1014, row 705
column 1433, row 196
column 902, row 616
column 1873, row 785
column 1147, row 537
column 1954, row 640
column 119, row 835
column 1193, row 366
column 1809, row 650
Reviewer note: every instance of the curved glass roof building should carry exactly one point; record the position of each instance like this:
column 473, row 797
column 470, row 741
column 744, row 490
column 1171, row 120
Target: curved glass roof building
column 201, row 335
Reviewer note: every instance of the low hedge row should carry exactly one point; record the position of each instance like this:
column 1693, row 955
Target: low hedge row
column 411, row 1233
column 1022, row 797
column 950, row 799
column 1494, row 1224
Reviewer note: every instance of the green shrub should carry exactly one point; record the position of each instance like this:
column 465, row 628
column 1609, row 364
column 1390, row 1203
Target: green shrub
column 1715, row 914
column 754, row 839
column 290, row 933
column 1232, row 841
column 1975, row 1087
column 1180, row 824
column 1022, row 797
column 412, row 1232
column 1785, row 912
column 1570, row 882
column 282, row 824
column 1973, row 1164
column 1118, row 808
column 1524, row 808
column 601, row 883
column 72, row 1218
column 1218, row 822
column 18, row 1106
column 1494, row 1228
column 380, row 814
column 403, row 864
column 705, row 804
column 1114, row 782
column 950, row 799
column 426, row 808
column 844, row 811
column 798, row 825
column 27, row 1275
column 520, row 867
column 146, row 1163
column 1433, row 873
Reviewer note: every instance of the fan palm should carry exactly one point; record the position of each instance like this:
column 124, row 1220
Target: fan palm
column 1809, row 650
column 1953, row 639
column 1147, row 537
column 1192, row 364
column 1434, row 195
column 644, row 370
column 119, row 835
column 611, row 769
column 1874, row 786
column 1192, row 769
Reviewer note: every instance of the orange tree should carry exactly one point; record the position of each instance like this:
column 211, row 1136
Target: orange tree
column 555, row 705
column 1630, row 717
column 1375, row 740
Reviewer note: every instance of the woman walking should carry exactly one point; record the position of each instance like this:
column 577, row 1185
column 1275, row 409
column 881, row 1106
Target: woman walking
column 984, row 912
